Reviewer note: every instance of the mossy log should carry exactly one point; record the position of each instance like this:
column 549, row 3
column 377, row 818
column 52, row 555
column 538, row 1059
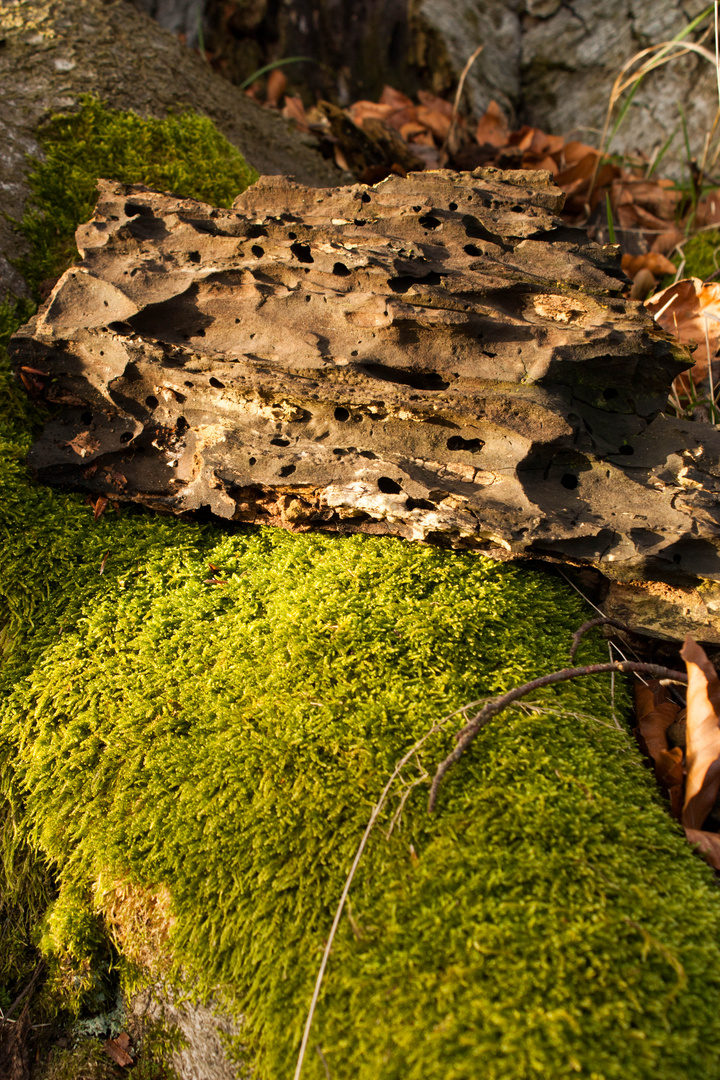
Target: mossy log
column 437, row 358
column 53, row 52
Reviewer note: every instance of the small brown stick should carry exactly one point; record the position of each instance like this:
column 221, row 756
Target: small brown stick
column 467, row 734
column 456, row 104
column 602, row 621
column 23, row 994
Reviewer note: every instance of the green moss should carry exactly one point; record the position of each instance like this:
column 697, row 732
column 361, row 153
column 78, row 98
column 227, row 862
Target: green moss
column 185, row 154
column 226, row 744
column 702, row 256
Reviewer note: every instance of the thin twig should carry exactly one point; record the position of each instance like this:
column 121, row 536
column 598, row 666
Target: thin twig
column 436, row 726
column 456, row 103
column 24, row 993
column 603, row 620
column 467, row 734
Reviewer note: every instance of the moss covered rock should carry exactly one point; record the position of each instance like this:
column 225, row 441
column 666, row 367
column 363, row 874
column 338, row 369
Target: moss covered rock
column 195, row 724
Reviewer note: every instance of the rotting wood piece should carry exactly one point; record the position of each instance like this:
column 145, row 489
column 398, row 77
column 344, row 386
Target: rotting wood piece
column 437, row 358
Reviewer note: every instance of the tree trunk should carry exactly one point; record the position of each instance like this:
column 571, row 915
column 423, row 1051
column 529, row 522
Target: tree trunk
column 55, row 51
column 437, row 358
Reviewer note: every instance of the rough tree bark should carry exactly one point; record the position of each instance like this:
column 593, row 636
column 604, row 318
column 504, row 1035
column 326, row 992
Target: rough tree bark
column 437, row 358
column 52, row 52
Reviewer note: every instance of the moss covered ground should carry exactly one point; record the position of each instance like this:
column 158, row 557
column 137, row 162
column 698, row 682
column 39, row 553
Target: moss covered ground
column 212, row 752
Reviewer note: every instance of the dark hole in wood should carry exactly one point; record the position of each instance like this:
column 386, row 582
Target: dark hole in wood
column 151, row 401
column 255, row 231
column 252, row 461
column 302, row 252
column 365, row 197
column 388, row 486
column 418, row 380
column 569, row 481
column 216, row 383
column 404, row 282
column 609, row 393
column 626, row 449
column 87, row 418
column 287, row 470
column 419, row 504
column 257, row 251
column 452, row 206
column 181, row 424
column 455, row 442
column 279, row 442
column 471, row 249
column 429, row 221
column 194, row 256
column 341, row 414
column 133, row 209
column 340, row 270
column 126, row 436
column 292, row 236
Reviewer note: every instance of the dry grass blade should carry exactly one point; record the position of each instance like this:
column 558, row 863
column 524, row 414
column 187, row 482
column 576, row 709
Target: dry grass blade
column 447, row 145
column 703, row 735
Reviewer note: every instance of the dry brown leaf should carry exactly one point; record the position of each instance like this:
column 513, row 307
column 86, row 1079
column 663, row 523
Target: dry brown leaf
column 652, row 727
column 398, row 100
column 656, row 263
column 574, row 151
column 293, row 109
column 438, row 104
column 708, row 209
column 703, row 735
column 436, row 120
column 684, row 309
column 276, row 86
column 492, row 127
column 709, row 844
column 664, row 242
column 117, row 1049
column 364, row 110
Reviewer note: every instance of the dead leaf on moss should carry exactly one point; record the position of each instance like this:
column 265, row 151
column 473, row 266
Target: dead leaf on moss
column 655, row 713
column 685, row 309
column 117, row 1049
column 709, row 844
column 703, row 735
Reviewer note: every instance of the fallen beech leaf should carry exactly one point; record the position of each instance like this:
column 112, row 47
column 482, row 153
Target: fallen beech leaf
column 652, row 727
column 709, row 844
column 438, row 104
column 574, row 151
column 117, row 1052
column 643, row 285
column 276, row 86
column 664, row 242
column 492, row 127
column 293, row 109
column 670, row 773
column 703, row 735
column 708, row 209
column 398, row 100
column 654, row 262
column 683, row 310
column 434, row 119
column 363, row 110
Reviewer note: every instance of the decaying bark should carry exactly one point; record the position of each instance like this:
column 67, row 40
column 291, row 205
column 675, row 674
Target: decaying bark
column 437, row 358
